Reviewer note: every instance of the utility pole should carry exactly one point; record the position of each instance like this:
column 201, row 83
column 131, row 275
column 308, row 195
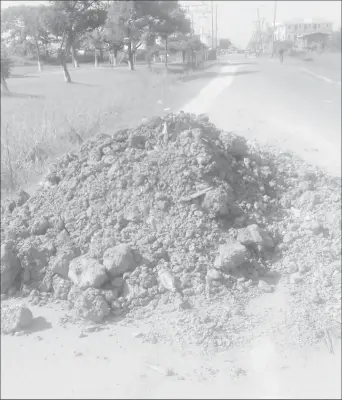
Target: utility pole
column 212, row 23
column 259, row 30
column 273, row 30
column 216, row 25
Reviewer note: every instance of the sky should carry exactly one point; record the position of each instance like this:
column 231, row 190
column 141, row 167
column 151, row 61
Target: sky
column 235, row 18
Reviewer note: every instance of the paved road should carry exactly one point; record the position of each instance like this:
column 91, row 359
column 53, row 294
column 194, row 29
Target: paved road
column 263, row 99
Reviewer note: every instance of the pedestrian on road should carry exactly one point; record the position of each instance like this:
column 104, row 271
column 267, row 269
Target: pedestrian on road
column 281, row 55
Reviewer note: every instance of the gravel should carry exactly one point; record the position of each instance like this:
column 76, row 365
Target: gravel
column 145, row 224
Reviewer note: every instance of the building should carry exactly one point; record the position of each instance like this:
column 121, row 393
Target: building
column 200, row 15
column 298, row 29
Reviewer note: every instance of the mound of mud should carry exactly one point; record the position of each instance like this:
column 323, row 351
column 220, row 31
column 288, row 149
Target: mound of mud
column 173, row 213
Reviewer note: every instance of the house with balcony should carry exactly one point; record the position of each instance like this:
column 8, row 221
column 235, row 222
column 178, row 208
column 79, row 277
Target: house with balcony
column 303, row 32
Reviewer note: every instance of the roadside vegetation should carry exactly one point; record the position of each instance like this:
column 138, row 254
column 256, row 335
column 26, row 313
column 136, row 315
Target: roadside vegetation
column 41, row 116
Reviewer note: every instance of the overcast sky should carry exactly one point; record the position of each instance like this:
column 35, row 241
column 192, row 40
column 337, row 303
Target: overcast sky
column 235, row 18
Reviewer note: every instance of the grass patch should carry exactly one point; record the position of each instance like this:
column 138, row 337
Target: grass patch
column 44, row 117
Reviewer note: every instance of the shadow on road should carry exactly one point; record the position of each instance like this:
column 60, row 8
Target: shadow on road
column 82, row 84
column 23, row 76
column 226, row 64
column 210, row 75
column 22, row 95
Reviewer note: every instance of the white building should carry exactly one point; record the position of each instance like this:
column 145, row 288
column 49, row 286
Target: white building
column 291, row 30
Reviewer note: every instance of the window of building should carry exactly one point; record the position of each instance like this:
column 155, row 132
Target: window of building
column 289, row 37
column 327, row 25
column 305, row 26
column 309, row 26
column 289, row 26
column 314, row 26
column 318, row 26
column 296, row 26
column 299, row 26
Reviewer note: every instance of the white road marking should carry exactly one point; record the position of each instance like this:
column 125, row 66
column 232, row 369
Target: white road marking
column 202, row 102
column 321, row 77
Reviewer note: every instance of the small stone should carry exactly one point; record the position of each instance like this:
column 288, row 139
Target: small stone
column 154, row 340
column 292, row 268
column 254, row 235
column 138, row 335
column 231, row 255
column 303, row 269
column 265, row 287
column 214, row 274
column 296, row 278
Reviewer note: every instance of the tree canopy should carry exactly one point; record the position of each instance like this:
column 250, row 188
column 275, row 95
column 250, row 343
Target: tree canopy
column 63, row 26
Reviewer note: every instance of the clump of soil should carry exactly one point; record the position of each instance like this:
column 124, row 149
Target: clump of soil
column 177, row 215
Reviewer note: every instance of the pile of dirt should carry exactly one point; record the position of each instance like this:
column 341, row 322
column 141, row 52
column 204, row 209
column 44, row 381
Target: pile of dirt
column 173, row 214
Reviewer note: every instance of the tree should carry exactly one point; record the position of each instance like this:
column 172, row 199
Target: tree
column 69, row 20
column 168, row 19
column 94, row 41
column 23, row 27
column 136, row 22
column 225, row 43
column 124, row 26
column 6, row 64
column 185, row 44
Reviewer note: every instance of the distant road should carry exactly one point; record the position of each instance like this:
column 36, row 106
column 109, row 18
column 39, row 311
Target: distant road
column 282, row 103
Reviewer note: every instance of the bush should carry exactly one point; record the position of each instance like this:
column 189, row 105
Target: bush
column 6, row 64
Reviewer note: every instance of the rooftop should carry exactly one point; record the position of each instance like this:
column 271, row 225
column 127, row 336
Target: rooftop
column 306, row 21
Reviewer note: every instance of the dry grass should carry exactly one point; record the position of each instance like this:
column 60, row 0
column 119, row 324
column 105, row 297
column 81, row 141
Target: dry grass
column 44, row 117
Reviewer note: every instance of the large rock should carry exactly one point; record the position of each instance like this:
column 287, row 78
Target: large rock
column 118, row 260
column 89, row 304
column 231, row 255
column 10, row 267
column 15, row 318
column 86, row 272
column 60, row 264
column 254, row 235
column 61, row 287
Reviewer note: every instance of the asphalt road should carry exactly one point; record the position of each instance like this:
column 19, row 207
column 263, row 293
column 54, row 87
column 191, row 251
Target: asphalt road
column 277, row 103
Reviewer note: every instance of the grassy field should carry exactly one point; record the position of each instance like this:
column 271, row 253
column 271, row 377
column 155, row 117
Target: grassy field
column 44, row 117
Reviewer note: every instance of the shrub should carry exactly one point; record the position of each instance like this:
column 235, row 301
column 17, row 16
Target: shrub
column 6, row 64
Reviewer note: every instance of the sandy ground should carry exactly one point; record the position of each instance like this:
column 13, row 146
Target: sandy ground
column 54, row 362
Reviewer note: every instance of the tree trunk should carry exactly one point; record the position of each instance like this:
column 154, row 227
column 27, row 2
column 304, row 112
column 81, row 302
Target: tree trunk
column 183, row 56
column 96, row 59
column 166, row 52
column 130, row 57
column 100, row 55
column 67, row 77
column 115, row 58
column 4, row 87
column 63, row 58
column 38, row 56
column 73, row 56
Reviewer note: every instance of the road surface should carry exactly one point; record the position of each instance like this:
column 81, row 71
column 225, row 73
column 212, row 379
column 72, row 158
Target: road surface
column 274, row 103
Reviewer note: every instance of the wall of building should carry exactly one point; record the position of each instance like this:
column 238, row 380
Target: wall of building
column 290, row 30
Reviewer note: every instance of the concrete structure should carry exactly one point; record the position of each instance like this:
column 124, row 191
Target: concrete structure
column 298, row 28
